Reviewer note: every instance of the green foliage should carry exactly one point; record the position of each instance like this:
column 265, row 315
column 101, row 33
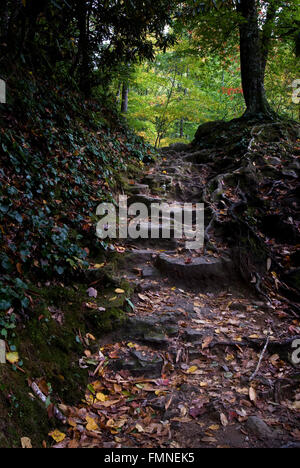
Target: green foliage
column 59, row 160
column 170, row 97
column 65, row 40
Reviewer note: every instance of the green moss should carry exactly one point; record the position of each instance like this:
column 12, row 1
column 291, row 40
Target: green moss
column 21, row 415
column 51, row 350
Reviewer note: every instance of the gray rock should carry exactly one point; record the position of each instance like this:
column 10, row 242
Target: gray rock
column 191, row 335
column 201, row 268
column 155, row 338
column 259, row 428
column 238, row 306
column 137, row 327
column 140, row 364
column 138, row 189
column 142, row 198
column 180, row 147
column 150, row 272
column 139, row 257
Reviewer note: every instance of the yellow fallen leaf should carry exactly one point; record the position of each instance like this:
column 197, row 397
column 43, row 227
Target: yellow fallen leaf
column 214, row 427
column 119, row 291
column 192, row 369
column 131, row 345
column 57, row 436
column 91, row 424
column 101, row 397
column 13, row 358
column 111, row 423
column 99, row 265
column 229, row 357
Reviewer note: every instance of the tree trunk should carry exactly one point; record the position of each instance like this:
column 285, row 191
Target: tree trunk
column 125, row 95
column 181, row 128
column 83, row 47
column 253, row 60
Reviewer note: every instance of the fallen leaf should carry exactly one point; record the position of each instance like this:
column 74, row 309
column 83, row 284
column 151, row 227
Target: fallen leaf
column 92, row 292
column 207, row 342
column 252, row 394
column 192, row 369
column 13, row 358
column 91, row 424
column 101, row 397
column 26, row 443
column 223, row 419
column 57, row 435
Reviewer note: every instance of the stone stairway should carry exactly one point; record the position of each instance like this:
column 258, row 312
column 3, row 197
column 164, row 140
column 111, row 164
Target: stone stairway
column 188, row 334
column 168, row 256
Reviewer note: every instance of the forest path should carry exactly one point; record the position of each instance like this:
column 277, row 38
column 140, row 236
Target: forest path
column 183, row 371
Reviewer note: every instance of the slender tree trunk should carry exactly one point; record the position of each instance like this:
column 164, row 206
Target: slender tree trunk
column 253, row 61
column 125, row 96
column 83, row 46
column 181, row 129
column 118, row 93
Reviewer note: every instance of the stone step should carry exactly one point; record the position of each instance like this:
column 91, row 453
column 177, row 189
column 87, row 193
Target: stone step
column 145, row 199
column 205, row 268
column 165, row 230
column 157, row 180
column 140, row 257
column 138, row 189
column 159, row 244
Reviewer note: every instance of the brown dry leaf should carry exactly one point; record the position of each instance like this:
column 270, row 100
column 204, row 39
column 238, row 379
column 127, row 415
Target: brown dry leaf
column 73, row 444
column 139, row 428
column 26, row 443
column 252, row 394
column 89, row 336
column 210, row 440
column 143, row 298
column 106, row 404
column 207, row 342
column 223, row 419
column 296, row 434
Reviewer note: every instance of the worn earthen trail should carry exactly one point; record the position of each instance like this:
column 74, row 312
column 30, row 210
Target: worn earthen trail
column 184, row 359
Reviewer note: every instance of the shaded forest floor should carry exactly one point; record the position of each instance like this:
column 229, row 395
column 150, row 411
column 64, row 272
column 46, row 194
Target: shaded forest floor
column 204, row 356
